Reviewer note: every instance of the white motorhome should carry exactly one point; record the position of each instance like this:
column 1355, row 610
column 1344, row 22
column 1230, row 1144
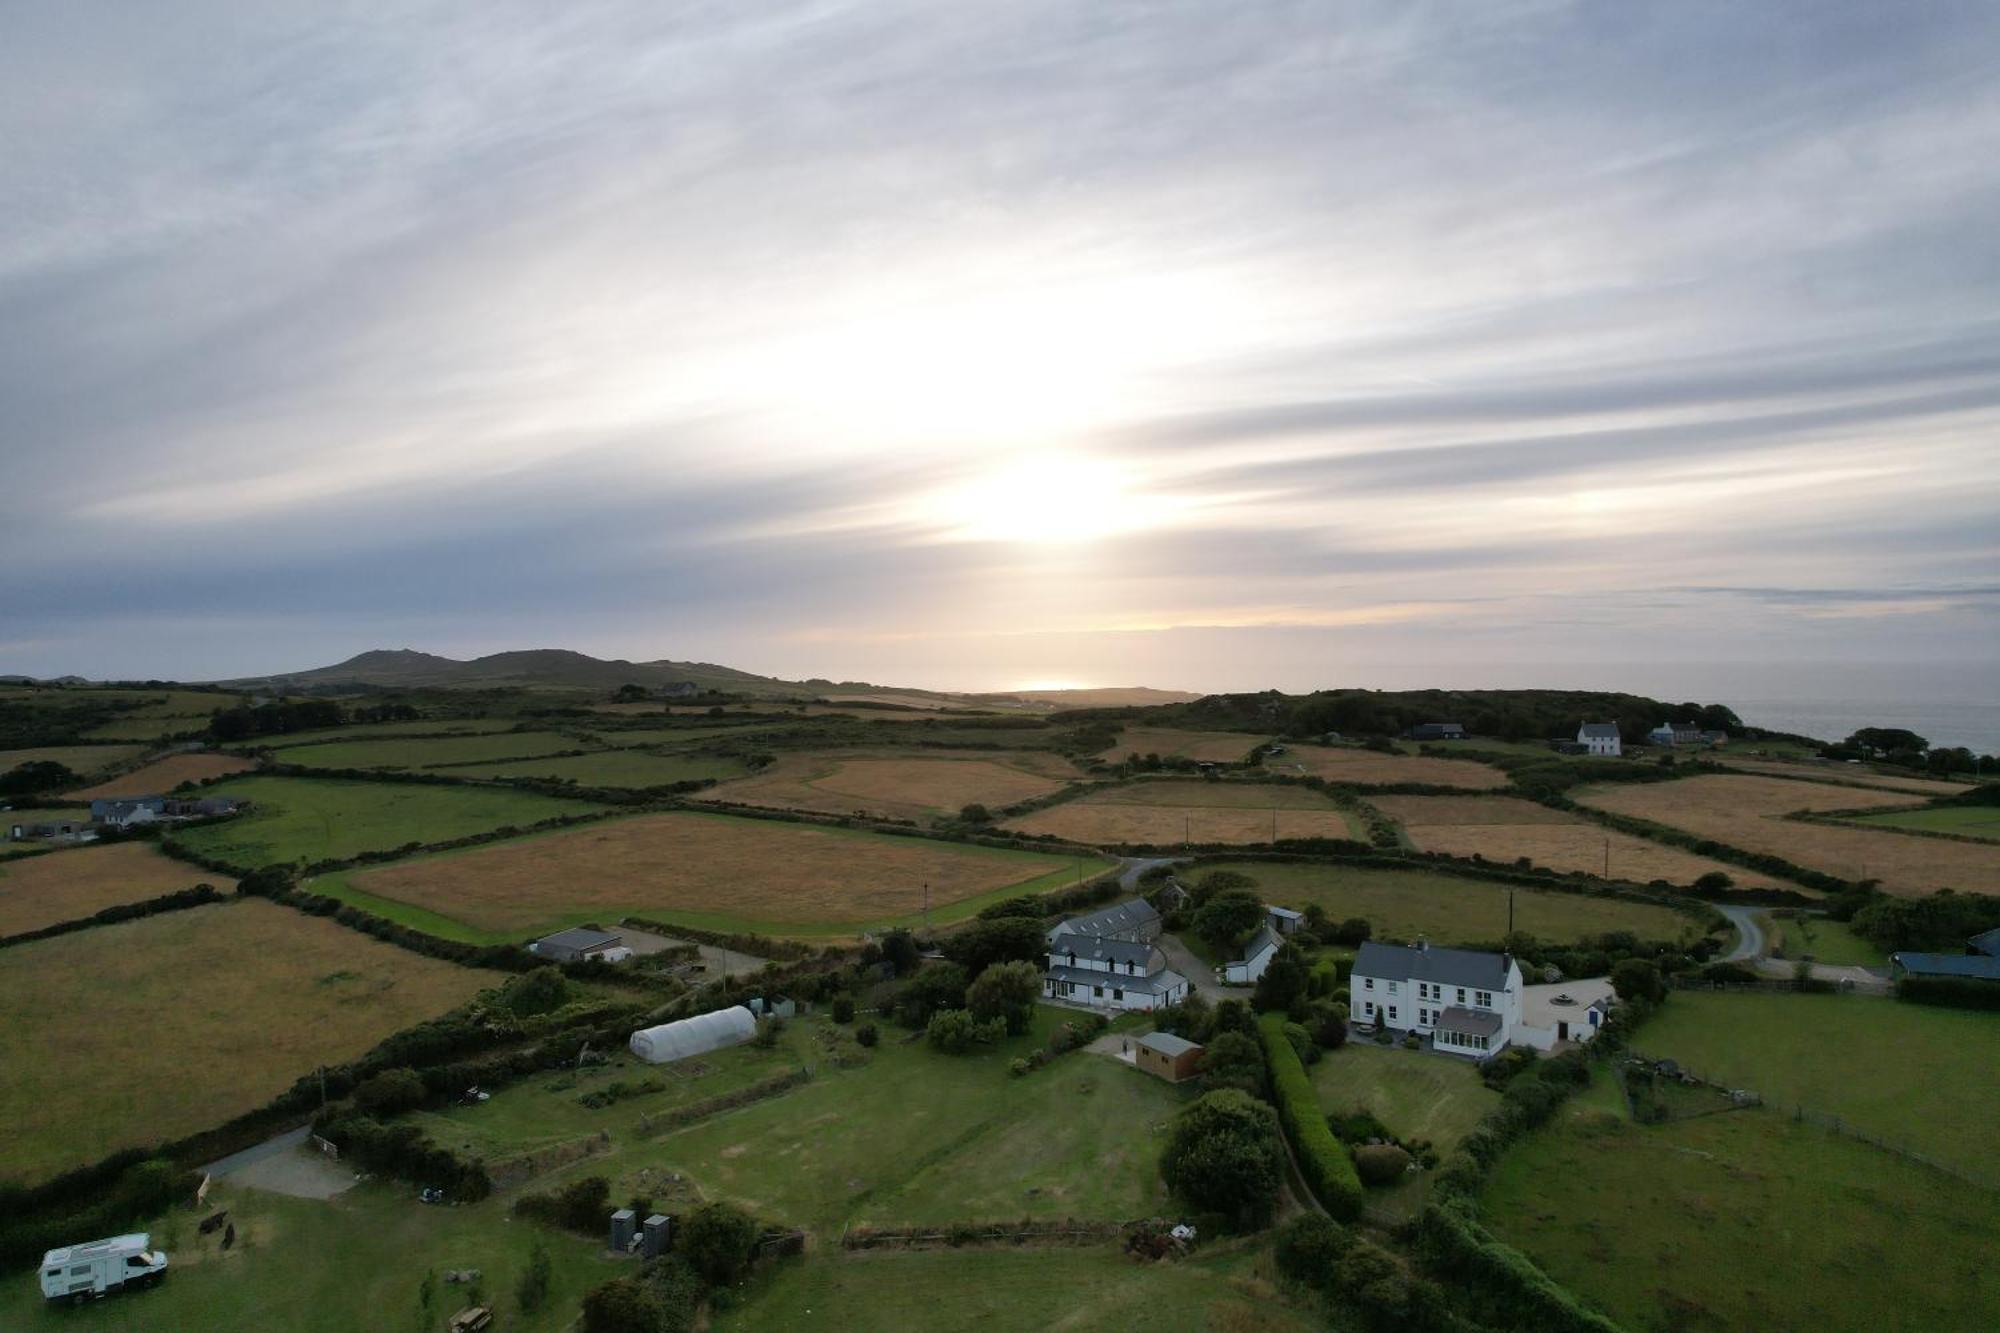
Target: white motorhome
column 78, row 1272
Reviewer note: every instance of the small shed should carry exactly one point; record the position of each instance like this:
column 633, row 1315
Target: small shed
column 575, row 944
column 1171, row 1058
column 694, row 1036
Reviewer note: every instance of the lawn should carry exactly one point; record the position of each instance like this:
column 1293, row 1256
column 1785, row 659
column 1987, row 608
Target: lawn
column 1828, row 941
column 918, row 1137
column 1507, row 829
column 83, row 760
column 611, row 768
column 1971, row 821
column 1227, row 1289
column 1911, row 1072
column 153, row 1029
column 311, row 819
column 711, row 871
column 77, row 882
column 1749, row 813
column 159, row 778
column 304, row 1266
column 433, row 751
column 1449, row 909
column 1746, row 1219
column 1416, row 1094
column 1170, row 812
column 902, row 786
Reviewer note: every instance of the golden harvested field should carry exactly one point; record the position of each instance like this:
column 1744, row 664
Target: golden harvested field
column 1366, row 767
column 1748, row 812
column 1506, row 828
column 154, row 1029
column 167, row 774
column 904, row 786
column 87, row 760
column 78, row 882
column 1221, row 747
column 705, row 869
column 1831, row 772
column 1167, row 812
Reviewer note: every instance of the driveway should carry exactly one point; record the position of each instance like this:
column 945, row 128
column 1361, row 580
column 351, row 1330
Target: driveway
column 1135, row 866
column 1749, row 936
column 1199, row 974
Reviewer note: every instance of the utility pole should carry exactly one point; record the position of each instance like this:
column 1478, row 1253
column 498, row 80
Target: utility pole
column 927, row 907
column 322, row 1087
column 1510, row 911
column 1607, row 856
column 1274, row 823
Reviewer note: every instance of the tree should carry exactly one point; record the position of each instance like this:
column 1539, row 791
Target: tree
column 1224, row 1156
column 1218, row 881
column 975, row 813
column 623, row 1305
column 1308, row 1246
column 939, row 986
column 1638, row 978
column 718, row 1239
column 630, row 694
column 1006, row 991
column 956, row 1031
column 533, row 1290
column 1714, row 882
column 538, row 992
column 1887, row 740
column 1228, row 917
column 40, row 775
column 1283, row 983
column 899, row 950
column 1233, row 1060
column 1352, row 932
column 1002, row 939
column 1232, row 1015
column 391, row 1092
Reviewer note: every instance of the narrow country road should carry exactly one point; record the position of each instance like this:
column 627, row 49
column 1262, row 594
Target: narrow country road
column 1136, row 866
column 1749, row 936
column 236, row 1161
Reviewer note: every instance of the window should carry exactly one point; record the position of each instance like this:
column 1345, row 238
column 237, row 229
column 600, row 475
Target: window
column 1097, row 991
column 1392, row 988
column 1485, row 999
column 1117, row 994
column 1367, row 983
column 1461, row 995
column 1392, row 1013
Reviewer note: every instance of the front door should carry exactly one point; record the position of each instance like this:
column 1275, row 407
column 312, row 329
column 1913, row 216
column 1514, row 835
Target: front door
column 1562, row 1030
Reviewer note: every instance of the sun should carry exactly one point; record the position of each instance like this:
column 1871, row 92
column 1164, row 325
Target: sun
column 1046, row 499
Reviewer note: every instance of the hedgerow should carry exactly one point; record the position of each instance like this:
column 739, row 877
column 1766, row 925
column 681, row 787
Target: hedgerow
column 1328, row 1170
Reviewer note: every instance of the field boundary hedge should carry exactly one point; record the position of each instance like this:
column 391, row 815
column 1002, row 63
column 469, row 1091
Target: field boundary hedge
column 1846, row 819
column 680, row 1117
column 1762, row 862
column 1322, row 1158
column 764, row 946
column 178, row 901
column 953, row 1235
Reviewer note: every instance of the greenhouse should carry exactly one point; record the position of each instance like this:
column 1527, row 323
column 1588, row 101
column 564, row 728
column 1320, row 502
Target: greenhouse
column 694, row 1036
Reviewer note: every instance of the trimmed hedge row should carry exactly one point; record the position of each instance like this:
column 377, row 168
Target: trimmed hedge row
column 764, row 946
column 1950, row 992
column 407, row 1153
column 679, row 1117
column 179, row 900
column 1450, row 1240
column 1323, row 1160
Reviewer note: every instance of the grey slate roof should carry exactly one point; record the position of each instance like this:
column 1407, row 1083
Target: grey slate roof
column 1118, row 919
column 1265, row 938
column 1103, row 951
column 1470, row 1021
column 1988, row 943
column 1603, row 731
column 1450, row 967
column 580, row 938
column 1167, row 1044
column 1978, row 966
column 1160, row 983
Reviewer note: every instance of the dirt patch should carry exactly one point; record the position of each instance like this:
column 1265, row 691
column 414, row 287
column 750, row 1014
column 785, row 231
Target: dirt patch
column 1369, row 768
column 302, row 1173
column 744, row 869
column 1748, row 812
column 167, row 774
column 69, row 885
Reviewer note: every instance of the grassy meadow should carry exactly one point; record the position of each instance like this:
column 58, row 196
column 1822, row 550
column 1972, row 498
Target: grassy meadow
column 1450, row 909
column 921, row 785
column 1968, row 821
column 83, row 760
column 163, row 775
column 1167, row 812
column 611, row 768
column 311, row 819
column 77, row 882
column 1416, row 1094
column 149, row 1030
column 431, row 751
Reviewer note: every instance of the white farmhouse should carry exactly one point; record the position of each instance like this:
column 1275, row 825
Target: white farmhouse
column 1467, row 1003
column 1600, row 738
column 1107, row 960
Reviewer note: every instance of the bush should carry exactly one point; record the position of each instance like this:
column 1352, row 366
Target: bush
column 769, row 1028
column 956, row 1031
column 582, row 1206
column 624, row 1305
column 538, row 992
column 391, row 1092
column 1007, row 939
column 1322, row 1159
column 867, row 1034
column 1224, row 1156
column 1380, row 1163
column 1233, row 1060
column 1302, row 1043
column 843, row 1009
column 1006, row 992
column 1413, row 1042
column 533, row 1291
column 1307, row 1248
column 1638, row 978
column 719, row 1240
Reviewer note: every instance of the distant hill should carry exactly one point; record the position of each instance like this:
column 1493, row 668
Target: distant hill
column 560, row 668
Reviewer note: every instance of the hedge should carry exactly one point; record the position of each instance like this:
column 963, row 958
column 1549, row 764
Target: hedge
column 1950, row 992
column 1506, row 1284
column 406, row 1152
column 1324, row 1162
column 179, row 900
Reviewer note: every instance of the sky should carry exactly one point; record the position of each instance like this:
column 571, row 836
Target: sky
column 1002, row 344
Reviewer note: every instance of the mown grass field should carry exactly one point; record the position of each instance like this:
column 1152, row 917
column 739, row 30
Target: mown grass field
column 1168, row 812
column 1746, row 1219
column 1370, row 769
column 1971, row 821
column 611, row 768
column 1507, row 828
column 903, row 786
column 1402, row 904
column 915, row 1137
column 153, row 1029
column 1912, row 1072
column 1218, row 747
column 308, row 1266
column 77, row 882
column 1230, row 1289
column 709, row 871
column 1748, row 812
column 1416, row 1094
column 1824, row 941
column 84, row 760
column 310, row 819
column 158, row 778
column 431, row 751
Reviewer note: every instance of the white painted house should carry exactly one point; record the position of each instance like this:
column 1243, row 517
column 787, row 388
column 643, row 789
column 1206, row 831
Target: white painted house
column 1257, row 956
column 1565, row 1011
column 1600, row 738
column 1107, row 960
column 1467, row 1003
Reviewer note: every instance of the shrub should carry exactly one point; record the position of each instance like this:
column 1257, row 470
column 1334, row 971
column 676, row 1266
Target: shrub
column 391, row 1092
column 1224, row 1156
column 1006, row 992
column 533, row 1291
column 1302, row 1043
column 1380, row 1163
column 1284, row 981
column 1233, row 1060
column 624, row 1305
column 867, row 1034
column 1413, row 1042
column 1007, row 939
column 1322, row 1159
column 1637, row 977
column 1307, row 1248
column 956, row 1031
column 582, row 1206
column 769, row 1028
column 719, row 1241
column 538, row 992
column 843, row 1009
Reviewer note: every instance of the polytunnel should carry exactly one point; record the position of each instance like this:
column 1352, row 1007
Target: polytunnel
column 694, row 1036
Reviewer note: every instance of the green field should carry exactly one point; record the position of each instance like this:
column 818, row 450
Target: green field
column 1746, row 1219
column 1416, row 1094
column 306, row 1266
column 460, row 726
column 431, row 752
column 612, row 768
column 1826, row 941
column 1402, row 904
column 1226, row 1289
column 918, row 1137
column 310, row 819
column 1910, row 1072
column 1971, row 821
column 83, row 760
